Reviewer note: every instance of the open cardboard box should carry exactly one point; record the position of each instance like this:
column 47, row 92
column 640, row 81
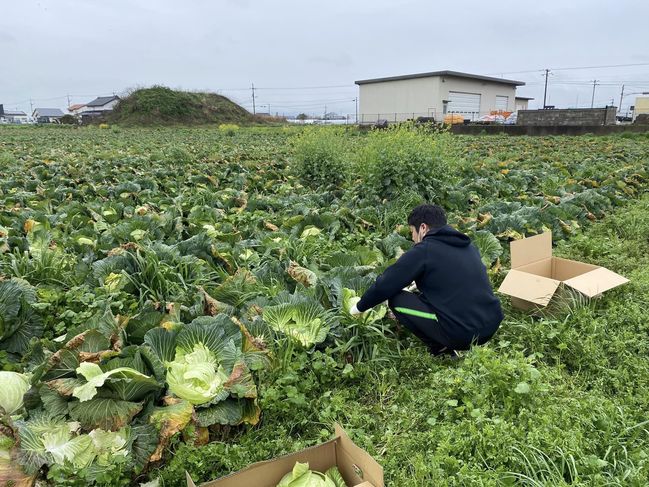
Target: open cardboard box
column 356, row 466
column 536, row 275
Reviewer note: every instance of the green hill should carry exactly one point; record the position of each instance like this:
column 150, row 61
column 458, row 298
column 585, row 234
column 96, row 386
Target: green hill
column 160, row 105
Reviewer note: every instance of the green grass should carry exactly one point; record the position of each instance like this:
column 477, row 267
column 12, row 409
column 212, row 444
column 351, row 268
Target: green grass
column 548, row 402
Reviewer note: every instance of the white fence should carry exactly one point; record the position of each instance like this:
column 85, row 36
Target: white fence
column 487, row 116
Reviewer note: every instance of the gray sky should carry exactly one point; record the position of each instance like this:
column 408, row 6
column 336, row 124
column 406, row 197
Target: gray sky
column 51, row 48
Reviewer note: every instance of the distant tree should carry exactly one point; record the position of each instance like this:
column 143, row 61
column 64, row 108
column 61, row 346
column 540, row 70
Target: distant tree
column 302, row 116
column 68, row 120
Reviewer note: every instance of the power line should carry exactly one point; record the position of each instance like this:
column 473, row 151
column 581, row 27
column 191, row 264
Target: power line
column 572, row 68
column 290, row 88
column 312, row 103
column 295, row 101
column 309, row 87
column 587, row 83
column 602, row 67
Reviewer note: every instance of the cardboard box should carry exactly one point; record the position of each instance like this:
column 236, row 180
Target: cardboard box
column 536, row 275
column 356, row 466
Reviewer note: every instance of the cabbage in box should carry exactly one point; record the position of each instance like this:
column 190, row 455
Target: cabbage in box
column 356, row 466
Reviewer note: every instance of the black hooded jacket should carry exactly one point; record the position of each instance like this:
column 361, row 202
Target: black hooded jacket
column 452, row 279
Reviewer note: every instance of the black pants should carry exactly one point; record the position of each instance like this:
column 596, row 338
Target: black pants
column 421, row 320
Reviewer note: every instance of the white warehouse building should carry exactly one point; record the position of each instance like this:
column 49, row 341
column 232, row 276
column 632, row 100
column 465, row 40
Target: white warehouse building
column 434, row 94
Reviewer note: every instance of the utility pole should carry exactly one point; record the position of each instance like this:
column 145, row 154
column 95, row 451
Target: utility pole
column 592, row 100
column 69, row 101
column 31, row 107
column 325, row 113
column 621, row 96
column 254, row 110
column 545, row 91
column 356, row 107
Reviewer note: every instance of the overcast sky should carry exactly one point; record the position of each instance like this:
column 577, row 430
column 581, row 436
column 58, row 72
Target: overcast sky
column 85, row 48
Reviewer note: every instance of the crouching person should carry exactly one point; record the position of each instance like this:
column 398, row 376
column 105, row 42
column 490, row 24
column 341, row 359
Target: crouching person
column 455, row 306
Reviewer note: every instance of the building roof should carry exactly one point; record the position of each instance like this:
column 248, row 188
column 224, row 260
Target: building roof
column 431, row 74
column 15, row 114
column 101, row 101
column 49, row 112
column 524, row 98
column 76, row 106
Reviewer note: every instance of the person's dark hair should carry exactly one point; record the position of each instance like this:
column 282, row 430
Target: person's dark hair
column 431, row 215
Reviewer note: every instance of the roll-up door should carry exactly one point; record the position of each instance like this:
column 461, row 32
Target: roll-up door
column 466, row 104
column 502, row 102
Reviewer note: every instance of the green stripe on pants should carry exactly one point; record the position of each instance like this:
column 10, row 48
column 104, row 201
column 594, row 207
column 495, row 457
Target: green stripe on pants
column 415, row 312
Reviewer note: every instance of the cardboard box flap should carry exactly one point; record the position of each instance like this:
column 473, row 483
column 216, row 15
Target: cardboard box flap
column 596, row 281
column 270, row 472
column 529, row 287
column 354, row 463
column 564, row 269
column 531, row 249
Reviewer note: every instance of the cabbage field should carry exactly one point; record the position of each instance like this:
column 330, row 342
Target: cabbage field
column 176, row 299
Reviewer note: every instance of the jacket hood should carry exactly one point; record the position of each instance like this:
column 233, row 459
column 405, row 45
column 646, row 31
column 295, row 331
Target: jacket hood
column 449, row 236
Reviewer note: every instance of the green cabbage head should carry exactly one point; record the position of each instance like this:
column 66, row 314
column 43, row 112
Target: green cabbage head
column 197, row 376
column 13, row 386
column 301, row 476
column 371, row 315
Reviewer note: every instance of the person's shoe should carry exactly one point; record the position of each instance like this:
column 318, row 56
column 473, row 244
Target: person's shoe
column 436, row 352
column 455, row 355
column 449, row 352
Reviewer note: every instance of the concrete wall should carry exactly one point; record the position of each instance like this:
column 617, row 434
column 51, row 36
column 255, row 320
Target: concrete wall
column 535, row 130
column 571, row 116
column 422, row 97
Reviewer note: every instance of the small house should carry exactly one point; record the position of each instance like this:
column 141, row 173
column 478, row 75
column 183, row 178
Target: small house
column 77, row 108
column 98, row 107
column 522, row 102
column 17, row 117
column 47, row 115
column 102, row 104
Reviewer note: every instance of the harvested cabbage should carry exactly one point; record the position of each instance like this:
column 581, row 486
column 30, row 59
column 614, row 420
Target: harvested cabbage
column 301, row 476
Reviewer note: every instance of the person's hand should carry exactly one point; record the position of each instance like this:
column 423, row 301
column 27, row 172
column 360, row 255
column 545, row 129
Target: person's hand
column 354, row 311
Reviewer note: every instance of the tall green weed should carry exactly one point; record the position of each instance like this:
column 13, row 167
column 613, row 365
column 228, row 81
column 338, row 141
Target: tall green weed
column 319, row 157
column 405, row 158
